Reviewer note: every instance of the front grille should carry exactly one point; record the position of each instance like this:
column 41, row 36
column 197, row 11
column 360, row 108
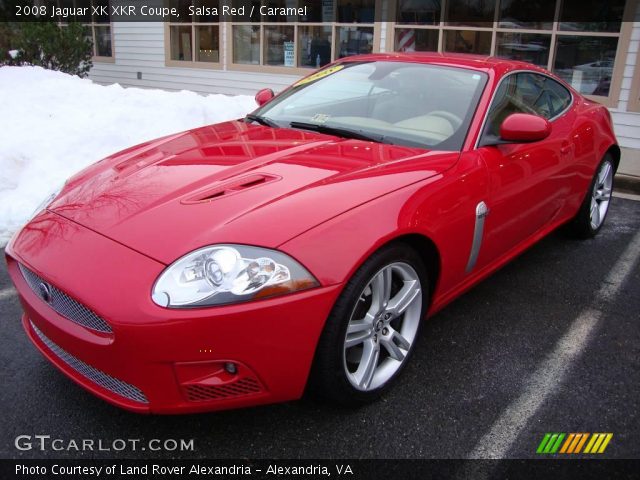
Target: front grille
column 96, row 376
column 63, row 303
column 201, row 393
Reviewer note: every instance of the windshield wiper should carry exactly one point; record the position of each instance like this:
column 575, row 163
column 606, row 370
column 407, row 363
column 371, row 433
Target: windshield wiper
column 340, row 132
column 261, row 120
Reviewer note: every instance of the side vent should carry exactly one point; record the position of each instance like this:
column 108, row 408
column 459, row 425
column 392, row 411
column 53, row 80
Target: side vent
column 481, row 212
column 231, row 187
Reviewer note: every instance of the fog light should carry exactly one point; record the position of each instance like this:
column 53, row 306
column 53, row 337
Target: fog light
column 231, row 368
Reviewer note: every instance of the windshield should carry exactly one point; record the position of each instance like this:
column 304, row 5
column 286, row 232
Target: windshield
column 410, row 104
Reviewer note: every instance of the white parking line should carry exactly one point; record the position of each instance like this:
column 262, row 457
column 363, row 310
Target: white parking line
column 497, row 442
column 7, row 293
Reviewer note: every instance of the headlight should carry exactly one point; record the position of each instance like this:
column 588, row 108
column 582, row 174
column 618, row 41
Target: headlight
column 222, row 274
column 51, row 196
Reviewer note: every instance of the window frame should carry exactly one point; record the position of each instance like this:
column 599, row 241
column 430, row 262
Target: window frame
column 92, row 27
column 623, row 37
column 482, row 133
column 296, row 69
column 102, row 58
column 193, row 63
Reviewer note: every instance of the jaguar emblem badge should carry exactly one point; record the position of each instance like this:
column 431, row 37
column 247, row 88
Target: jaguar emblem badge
column 45, row 292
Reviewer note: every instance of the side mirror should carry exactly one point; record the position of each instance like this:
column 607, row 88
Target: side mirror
column 263, row 96
column 524, row 127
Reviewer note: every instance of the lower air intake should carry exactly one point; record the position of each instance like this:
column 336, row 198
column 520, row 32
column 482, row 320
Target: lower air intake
column 202, row 393
column 96, row 376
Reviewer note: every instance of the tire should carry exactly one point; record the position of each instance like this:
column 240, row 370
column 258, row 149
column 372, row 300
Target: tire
column 369, row 307
column 595, row 206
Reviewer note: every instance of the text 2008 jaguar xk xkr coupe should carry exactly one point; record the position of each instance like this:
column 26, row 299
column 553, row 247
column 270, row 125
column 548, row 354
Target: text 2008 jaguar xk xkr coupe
column 304, row 245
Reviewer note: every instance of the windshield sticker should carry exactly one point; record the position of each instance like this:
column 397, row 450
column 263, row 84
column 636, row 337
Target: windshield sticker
column 321, row 74
column 320, row 117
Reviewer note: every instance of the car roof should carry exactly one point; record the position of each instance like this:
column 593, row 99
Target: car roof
column 475, row 62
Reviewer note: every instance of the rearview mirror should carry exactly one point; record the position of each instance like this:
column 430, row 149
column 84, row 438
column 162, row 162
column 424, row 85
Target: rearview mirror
column 263, row 96
column 523, row 128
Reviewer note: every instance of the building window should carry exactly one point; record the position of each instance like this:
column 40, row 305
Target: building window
column 532, row 15
column 353, row 41
column 576, row 39
column 246, row 44
column 102, row 41
column 329, row 29
column 586, row 63
column 314, row 48
column 530, row 47
column 97, row 21
column 196, row 38
column 467, row 41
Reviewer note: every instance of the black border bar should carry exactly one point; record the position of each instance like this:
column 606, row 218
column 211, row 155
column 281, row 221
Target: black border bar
column 602, row 15
column 584, row 469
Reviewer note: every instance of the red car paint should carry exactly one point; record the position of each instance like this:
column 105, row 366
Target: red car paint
column 119, row 223
column 524, row 127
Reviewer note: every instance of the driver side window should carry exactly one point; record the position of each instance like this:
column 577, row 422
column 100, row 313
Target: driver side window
column 526, row 93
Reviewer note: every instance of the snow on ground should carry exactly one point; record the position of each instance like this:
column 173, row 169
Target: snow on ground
column 52, row 125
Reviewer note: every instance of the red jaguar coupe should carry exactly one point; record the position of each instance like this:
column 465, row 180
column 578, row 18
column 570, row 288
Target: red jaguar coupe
column 302, row 247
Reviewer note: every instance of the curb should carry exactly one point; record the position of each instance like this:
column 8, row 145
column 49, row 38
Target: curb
column 627, row 183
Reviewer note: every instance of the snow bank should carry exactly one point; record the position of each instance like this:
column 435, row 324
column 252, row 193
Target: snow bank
column 52, row 125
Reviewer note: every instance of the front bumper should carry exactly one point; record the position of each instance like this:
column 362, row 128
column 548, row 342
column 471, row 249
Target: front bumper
column 175, row 359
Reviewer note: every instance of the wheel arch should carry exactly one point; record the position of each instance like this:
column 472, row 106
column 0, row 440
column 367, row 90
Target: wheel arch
column 616, row 153
column 428, row 252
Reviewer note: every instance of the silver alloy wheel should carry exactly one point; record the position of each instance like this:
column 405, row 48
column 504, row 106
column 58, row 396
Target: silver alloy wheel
column 382, row 326
column 601, row 195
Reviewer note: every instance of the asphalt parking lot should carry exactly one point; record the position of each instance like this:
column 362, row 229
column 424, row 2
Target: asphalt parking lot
column 476, row 360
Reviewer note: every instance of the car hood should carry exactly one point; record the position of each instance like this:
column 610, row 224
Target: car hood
column 235, row 183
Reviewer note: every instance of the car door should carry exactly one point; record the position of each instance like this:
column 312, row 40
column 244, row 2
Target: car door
column 527, row 181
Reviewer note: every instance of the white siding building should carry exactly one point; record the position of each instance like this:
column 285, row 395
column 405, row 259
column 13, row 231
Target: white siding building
column 206, row 54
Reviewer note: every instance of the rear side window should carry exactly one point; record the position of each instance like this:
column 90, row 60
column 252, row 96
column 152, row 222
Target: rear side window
column 526, row 93
column 559, row 96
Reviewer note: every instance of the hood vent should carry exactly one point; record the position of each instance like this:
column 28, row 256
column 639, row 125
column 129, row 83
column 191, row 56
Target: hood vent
column 230, row 187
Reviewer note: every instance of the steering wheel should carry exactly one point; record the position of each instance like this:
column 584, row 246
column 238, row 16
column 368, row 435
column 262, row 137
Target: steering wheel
column 453, row 119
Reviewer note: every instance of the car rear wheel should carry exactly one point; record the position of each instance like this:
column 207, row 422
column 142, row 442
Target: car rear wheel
column 372, row 330
column 594, row 208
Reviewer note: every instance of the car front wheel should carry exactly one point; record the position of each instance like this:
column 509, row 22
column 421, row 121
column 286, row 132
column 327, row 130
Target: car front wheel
column 373, row 328
column 595, row 206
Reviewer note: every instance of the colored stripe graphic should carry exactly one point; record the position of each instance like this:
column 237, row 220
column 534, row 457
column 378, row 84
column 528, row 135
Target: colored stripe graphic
column 556, row 446
column 581, row 443
column 605, row 443
column 591, row 442
column 598, row 442
column 567, row 443
column 551, row 443
column 543, row 443
column 574, row 444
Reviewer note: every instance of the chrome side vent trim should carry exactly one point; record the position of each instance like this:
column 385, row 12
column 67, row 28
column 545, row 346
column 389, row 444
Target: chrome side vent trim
column 481, row 212
column 92, row 374
column 62, row 303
